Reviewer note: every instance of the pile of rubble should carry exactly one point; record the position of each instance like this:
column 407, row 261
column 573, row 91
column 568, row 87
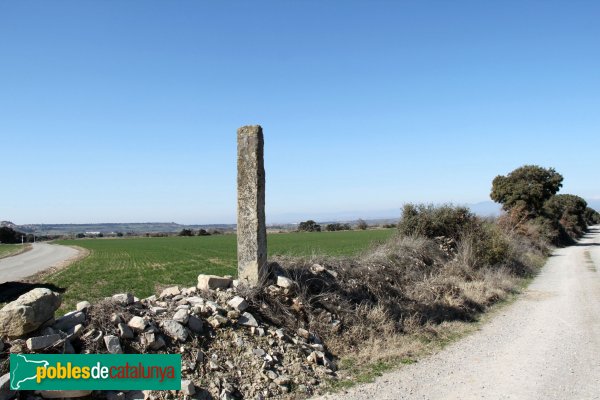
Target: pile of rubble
column 228, row 351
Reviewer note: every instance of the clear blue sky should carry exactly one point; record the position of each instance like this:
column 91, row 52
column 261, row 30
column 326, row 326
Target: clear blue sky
column 123, row 111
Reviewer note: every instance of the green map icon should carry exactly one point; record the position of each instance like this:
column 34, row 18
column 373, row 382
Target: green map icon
column 23, row 369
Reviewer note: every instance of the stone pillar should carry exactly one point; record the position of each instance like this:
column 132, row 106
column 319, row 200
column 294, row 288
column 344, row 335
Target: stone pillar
column 251, row 225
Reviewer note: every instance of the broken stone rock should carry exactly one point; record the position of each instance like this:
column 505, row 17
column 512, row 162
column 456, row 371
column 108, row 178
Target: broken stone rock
column 259, row 352
column 137, row 323
column 211, row 282
column 152, row 340
column 124, row 298
column 159, row 310
column 125, row 331
column 248, row 319
column 284, row 282
column 195, row 324
column 217, row 320
column 83, row 305
column 112, row 344
column 42, row 342
column 69, row 320
column 175, row 330
column 238, row 303
column 27, row 313
column 187, row 387
column 170, row 292
column 303, row 333
column 181, row 316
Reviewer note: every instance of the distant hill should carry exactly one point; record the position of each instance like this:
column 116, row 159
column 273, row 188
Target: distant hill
column 108, row 228
column 289, row 222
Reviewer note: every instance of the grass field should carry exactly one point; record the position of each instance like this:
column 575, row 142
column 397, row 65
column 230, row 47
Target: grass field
column 142, row 265
column 9, row 249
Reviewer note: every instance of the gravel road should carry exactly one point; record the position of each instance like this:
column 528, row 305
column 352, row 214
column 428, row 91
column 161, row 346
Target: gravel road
column 546, row 345
column 39, row 258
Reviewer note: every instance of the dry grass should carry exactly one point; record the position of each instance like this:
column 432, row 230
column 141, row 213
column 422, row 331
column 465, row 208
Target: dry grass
column 401, row 298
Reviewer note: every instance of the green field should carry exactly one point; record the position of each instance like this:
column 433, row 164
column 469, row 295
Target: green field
column 9, row 249
column 142, row 265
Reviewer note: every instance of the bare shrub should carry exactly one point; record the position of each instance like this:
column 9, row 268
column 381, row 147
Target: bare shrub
column 408, row 285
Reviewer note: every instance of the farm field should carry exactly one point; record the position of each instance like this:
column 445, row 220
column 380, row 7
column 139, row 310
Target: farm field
column 143, row 265
column 9, row 249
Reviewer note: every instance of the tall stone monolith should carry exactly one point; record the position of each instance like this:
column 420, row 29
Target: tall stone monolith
column 251, row 224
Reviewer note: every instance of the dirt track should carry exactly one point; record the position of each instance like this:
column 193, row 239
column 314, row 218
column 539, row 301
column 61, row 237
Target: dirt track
column 42, row 256
column 544, row 346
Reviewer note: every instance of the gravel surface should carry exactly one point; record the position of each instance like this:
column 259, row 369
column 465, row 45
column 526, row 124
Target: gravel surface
column 546, row 345
column 39, row 258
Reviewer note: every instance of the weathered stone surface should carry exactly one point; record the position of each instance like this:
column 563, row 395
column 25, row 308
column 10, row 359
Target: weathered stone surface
column 175, row 330
column 248, row 319
column 41, row 342
column 113, row 345
column 211, row 282
column 159, row 310
column 181, row 316
column 170, row 292
column 303, row 333
column 83, row 305
column 217, row 321
column 187, row 387
column 69, row 320
column 28, row 312
column 195, row 324
column 5, row 392
column 152, row 340
column 75, row 332
column 259, row 352
column 284, row 282
column 251, row 225
column 64, row 394
column 125, row 331
column 195, row 300
column 238, row 303
column 137, row 323
column 123, row 298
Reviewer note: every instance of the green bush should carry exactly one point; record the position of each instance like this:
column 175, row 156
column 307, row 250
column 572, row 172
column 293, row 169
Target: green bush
column 592, row 217
column 569, row 211
column 309, row 226
column 434, row 221
column 337, row 227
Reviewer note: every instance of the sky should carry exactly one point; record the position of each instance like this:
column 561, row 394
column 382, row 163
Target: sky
column 127, row 111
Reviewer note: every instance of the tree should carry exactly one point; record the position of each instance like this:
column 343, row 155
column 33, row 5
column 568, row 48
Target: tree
column 592, row 217
column 528, row 187
column 309, row 226
column 362, row 224
column 186, row 232
column 203, row 232
column 337, row 227
column 569, row 211
column 9, row 235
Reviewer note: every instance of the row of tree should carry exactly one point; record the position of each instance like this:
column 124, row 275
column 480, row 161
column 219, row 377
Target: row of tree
column 201, row 232
column 529, row 195
column 10, row 236
column 312, row 226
